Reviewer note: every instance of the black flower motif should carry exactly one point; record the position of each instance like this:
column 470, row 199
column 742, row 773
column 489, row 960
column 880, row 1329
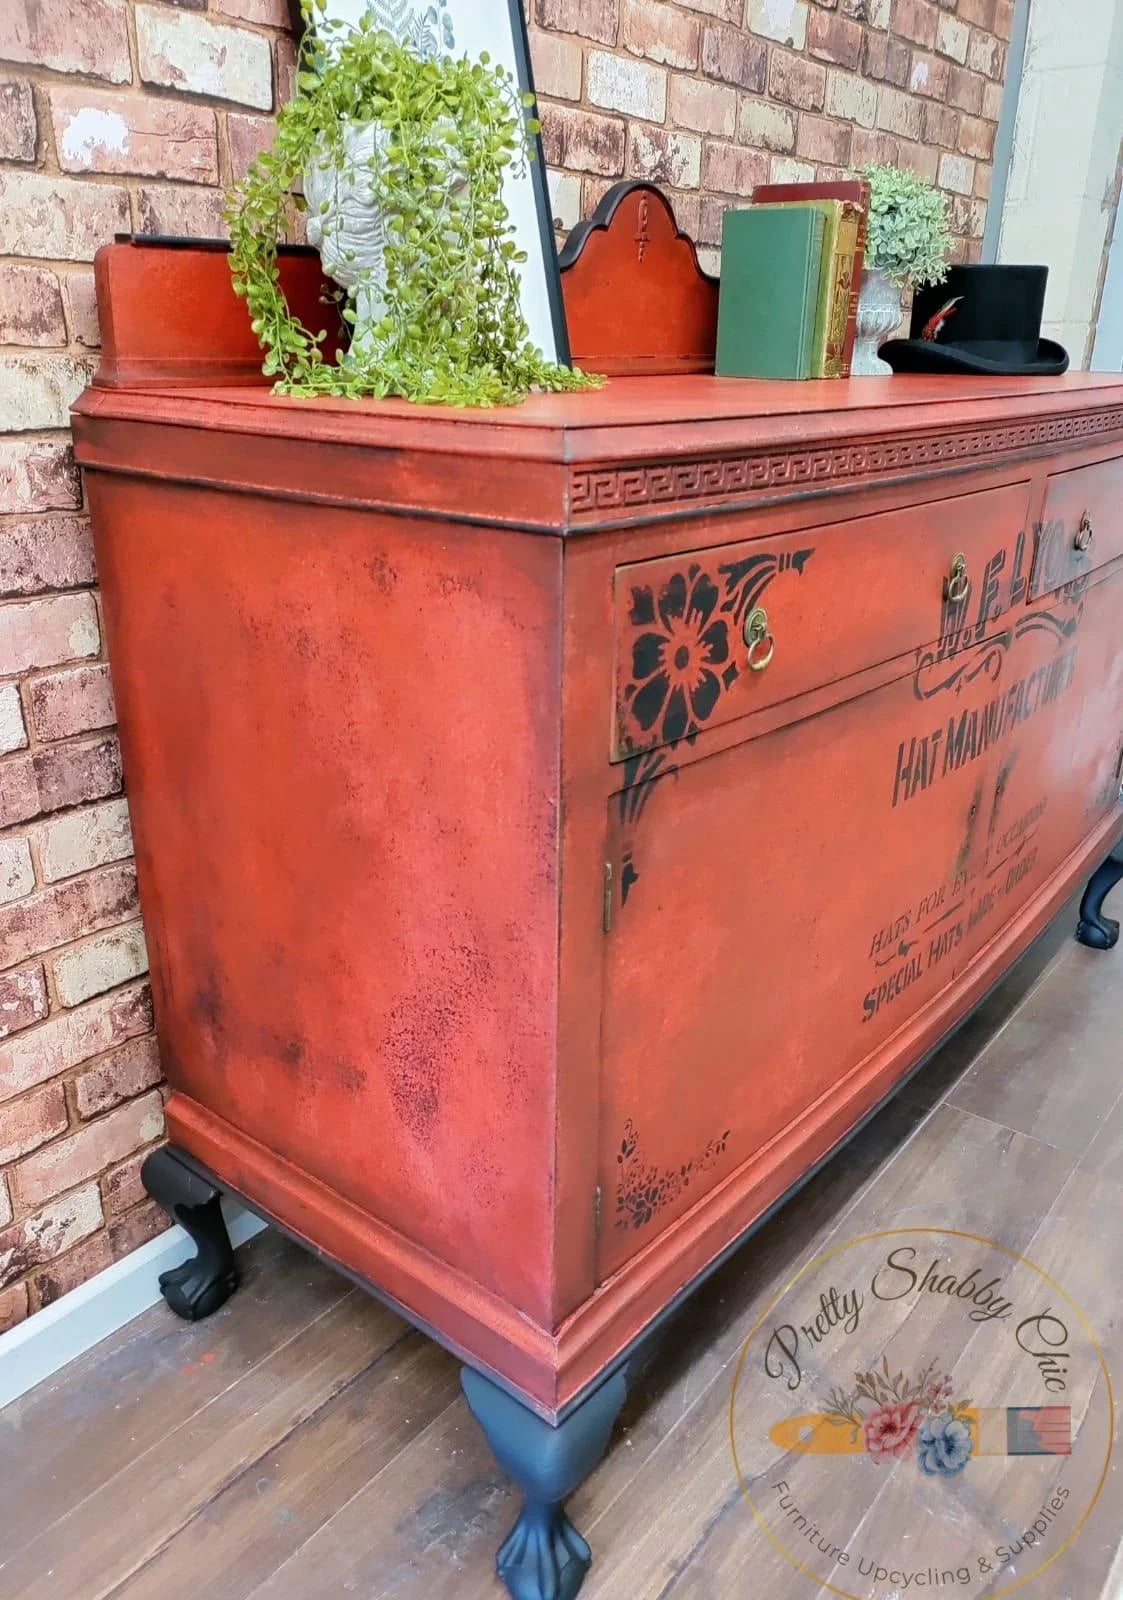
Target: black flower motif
column 675, row 684
column 643, row 1190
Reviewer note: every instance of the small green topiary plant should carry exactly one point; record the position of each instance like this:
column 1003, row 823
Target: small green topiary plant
column 909, row 237
column 452, row 330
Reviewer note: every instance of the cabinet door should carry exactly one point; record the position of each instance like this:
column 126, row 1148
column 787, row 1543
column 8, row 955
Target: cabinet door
column 788, row 905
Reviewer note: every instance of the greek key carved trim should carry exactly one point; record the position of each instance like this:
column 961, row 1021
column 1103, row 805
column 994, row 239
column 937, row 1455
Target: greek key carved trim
column 619, row 488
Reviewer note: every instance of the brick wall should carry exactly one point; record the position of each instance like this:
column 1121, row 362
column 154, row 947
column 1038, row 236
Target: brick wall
column 710, row 97
column 113, row 115
column 118, row 114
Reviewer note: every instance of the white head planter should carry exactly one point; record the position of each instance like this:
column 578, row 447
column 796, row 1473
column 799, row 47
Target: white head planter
column 345, row 221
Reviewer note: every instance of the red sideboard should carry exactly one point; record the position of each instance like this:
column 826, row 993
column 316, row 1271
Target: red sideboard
column 558, row 828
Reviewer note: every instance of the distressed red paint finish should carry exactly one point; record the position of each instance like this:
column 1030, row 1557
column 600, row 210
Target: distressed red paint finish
column 520, row 995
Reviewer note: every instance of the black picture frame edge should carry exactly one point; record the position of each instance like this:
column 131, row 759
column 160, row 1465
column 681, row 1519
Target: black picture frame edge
column 520, row 38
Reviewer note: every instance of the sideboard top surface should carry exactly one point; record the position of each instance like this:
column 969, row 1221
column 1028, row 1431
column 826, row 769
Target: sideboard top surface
column 637, row 450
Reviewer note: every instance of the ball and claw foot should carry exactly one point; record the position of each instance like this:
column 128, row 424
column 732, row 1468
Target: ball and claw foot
column 544, row 1557
column 1094, row 929
column 207, row 1279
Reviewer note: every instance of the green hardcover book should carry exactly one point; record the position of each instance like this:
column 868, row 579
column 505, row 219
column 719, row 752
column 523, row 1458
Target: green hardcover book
column 771, row 264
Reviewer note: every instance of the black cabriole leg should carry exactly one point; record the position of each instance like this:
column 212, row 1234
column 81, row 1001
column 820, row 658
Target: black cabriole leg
column 208, row 1279
column 544, row 1557
column 1094, row 929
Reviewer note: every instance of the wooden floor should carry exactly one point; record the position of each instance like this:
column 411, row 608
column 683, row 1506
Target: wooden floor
column 305, row 1443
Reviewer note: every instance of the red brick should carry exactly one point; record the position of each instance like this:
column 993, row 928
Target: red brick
column 873, row 149
column 919, row 159
column 19, row 791
column 72, row 1037
column 993, row 95
column 651, row 28
column 88, row 1152
column 19, row 128
column 267, row 13
column 582, row 141
column 51, row 1231
column 823, row 141
column 121, row 1188
column 557, row 66
column 100, row 131
column 47, row 553
column 724, row 10
column 898, row 62
column 38, row 475
column 136, row 1228
column 75, row 701
column 23, row 999
column 983, row 175
column 916, row 20
column 593, row 19
column 965, row 90
column 797, row 82
column 729, row 169
column 1004, row 18
column 874, row 49
column 70, row 1271
column 980, row 12
column 976, row 137
column 941, row 125
column 87, row 36
column 119, row 1076
column 27, row 1123
column 286, row 61
column 735, row 57
column 13, row 1306
column 929, row 75
column 30, row 307
column 69, row 774
column 704, row 107
column 835, row 39
column 52, row 917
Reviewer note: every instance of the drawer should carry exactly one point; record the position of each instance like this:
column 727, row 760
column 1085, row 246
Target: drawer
column 834, row 599
column 1081, row 526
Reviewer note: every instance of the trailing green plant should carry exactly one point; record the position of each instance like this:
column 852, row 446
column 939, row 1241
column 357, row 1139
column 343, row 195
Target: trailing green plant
column 909, row 236
column 452, row 330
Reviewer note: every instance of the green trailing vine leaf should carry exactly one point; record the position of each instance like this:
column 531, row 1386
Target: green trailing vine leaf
column 452, row 330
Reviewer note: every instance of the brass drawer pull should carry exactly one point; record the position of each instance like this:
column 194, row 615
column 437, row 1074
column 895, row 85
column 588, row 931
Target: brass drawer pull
column 1085, row 534
column 957, row 584
column 757, row 637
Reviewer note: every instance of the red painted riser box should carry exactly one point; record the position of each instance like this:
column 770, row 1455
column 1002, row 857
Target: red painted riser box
column 526, row 915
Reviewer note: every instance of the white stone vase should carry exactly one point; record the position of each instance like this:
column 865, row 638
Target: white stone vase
column 879, row 312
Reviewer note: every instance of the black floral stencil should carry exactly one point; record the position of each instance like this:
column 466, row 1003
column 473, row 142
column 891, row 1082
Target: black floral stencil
column 682, row 654
column 643, row 1190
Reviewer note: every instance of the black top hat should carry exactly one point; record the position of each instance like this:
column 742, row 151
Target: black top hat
column 980, row 319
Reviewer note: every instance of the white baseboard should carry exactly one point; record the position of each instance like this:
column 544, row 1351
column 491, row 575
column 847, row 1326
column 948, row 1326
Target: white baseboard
column 40, row 1346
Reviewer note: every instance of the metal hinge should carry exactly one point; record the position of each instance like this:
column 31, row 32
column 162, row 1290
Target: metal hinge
column 607, row 896
column 596, row 1209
